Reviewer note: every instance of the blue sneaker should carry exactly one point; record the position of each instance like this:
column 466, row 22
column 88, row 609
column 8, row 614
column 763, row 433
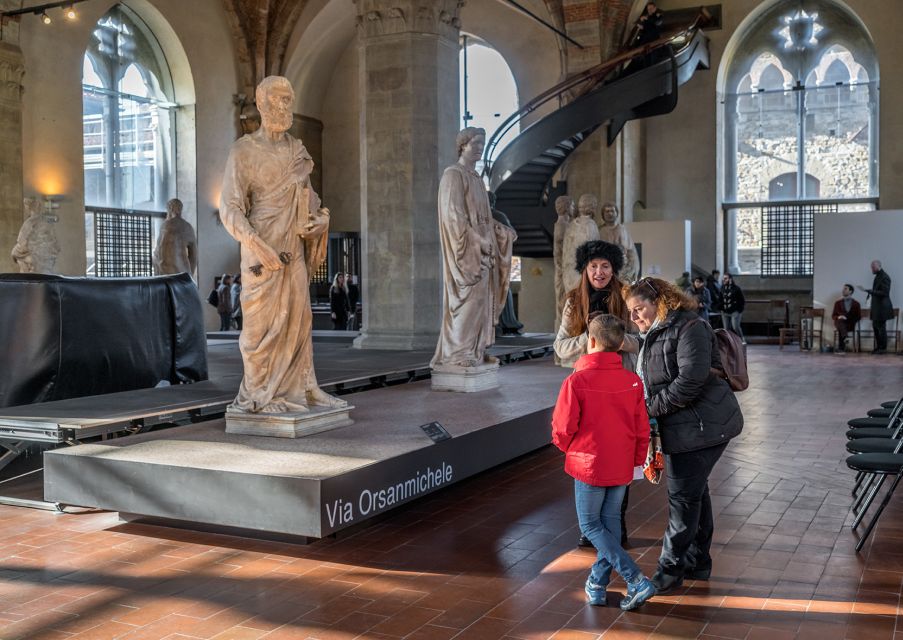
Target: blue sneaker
column 595, row 592
column 637, row 593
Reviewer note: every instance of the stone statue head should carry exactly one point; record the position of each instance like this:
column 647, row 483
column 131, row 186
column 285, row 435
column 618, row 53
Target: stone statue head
column 564, row 206
column 610, row 213
column 587, row 205
column 275, row 100
column 471, row 141
column 174, row 208
column 32, row 206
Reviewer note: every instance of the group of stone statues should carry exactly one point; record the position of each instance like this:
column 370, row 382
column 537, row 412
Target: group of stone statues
column 577, row 225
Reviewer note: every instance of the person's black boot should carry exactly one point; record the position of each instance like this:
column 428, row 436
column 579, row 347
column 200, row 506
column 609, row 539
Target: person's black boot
column 698, row 573
column 666, row 582
column 583, row 541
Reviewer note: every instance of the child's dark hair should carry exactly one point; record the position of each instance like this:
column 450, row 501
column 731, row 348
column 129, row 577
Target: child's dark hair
column 608, row 330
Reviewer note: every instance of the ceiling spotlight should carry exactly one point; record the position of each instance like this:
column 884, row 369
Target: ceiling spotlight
column 69, row 12
column 45, row 18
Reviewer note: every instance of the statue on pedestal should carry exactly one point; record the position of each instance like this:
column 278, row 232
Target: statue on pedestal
column 614, row 232
column 505, row 236
column 476, row 257
column 269, row 206
column 581, row 229
column 564, row 207
column 36, row 248
column 177, row 245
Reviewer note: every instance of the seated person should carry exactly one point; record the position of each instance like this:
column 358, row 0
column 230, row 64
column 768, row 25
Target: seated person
column 846, row 314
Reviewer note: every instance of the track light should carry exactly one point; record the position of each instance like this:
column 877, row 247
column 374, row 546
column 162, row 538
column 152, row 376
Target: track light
column 45, row 18
column 70, row 13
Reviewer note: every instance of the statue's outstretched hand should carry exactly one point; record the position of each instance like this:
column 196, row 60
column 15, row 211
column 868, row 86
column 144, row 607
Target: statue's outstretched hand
column 268, row 257
column 317, row 224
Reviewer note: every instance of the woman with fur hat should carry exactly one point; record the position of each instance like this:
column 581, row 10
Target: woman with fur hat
column 599, row 291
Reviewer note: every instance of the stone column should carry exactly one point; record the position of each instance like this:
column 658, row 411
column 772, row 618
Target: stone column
column 12, row 71
column 409, row 118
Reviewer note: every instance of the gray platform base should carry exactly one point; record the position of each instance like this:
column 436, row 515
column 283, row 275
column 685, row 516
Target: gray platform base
column 466, row 380
column 287, row 425
column 317, row 485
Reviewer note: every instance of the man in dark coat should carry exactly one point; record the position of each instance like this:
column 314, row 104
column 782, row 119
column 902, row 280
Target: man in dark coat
column 882, row 307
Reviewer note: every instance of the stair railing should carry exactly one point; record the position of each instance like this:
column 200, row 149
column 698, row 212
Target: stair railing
column 592, row 77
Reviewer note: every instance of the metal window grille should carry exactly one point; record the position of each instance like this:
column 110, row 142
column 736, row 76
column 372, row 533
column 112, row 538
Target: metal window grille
column 123, row 244
column 788, row 242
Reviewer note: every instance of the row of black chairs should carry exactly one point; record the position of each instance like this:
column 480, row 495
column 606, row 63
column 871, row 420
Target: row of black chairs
column 876, row 445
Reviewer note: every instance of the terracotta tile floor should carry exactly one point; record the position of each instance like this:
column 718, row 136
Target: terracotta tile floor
column 494, row 557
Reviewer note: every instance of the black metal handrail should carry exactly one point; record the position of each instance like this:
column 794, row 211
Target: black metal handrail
column 591, row 77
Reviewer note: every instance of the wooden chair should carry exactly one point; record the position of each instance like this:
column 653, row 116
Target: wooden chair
column 812, row 326
column 778, row 315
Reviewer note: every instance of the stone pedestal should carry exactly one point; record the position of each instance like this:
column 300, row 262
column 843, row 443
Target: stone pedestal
column 409, row 119
column 466, row 380
column 288, row 425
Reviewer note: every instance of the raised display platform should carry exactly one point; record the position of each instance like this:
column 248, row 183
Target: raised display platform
column 319, row 484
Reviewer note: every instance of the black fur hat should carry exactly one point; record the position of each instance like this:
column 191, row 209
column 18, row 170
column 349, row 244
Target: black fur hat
column 600, row 249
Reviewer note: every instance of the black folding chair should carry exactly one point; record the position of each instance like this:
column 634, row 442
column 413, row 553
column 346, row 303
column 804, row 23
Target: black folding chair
column 881, row 466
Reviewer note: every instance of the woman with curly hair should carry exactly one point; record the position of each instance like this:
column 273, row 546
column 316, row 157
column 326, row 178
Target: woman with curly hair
column 599, row 292
column 696, row 412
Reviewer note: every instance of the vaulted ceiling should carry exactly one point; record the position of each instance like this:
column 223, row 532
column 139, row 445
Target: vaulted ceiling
column 261, row 29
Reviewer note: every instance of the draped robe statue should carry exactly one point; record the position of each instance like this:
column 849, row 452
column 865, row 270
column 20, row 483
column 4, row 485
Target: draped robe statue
column 269, row 206
column 36, row 246
column 476, row 256
column 564, row 208
column 611, row 230
column 581, row 229
column 177, row 246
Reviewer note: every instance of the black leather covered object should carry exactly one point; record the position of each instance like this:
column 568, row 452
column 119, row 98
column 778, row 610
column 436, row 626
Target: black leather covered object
column 69, row 337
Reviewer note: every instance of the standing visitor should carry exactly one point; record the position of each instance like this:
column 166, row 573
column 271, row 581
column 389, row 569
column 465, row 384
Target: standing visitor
column 697, row 414
column 339, row 306
column 732, row 305
column 600, row 423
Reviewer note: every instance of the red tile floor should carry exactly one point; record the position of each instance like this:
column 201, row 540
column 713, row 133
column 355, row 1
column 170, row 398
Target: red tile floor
column 494, row 556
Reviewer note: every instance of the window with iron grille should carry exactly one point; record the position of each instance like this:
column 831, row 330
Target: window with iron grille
column 123, row 244
column 788, row 244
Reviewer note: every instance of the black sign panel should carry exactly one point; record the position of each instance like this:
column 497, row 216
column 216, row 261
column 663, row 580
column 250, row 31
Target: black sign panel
column 436, row 431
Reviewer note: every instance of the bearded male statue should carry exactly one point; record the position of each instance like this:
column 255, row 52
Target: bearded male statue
column 269, row 206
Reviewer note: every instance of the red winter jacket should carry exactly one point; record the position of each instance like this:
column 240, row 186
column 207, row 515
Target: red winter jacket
column 600, row 421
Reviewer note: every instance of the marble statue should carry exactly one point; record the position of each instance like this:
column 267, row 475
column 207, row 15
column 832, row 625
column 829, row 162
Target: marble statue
column 582, row 229
column 36, row 248
column 269, row 206
column 177, row 245
column 476, row 258
column 611, row 230
column 564, row 207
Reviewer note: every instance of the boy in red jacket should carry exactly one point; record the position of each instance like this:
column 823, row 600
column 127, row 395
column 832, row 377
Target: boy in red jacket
column 600, row 422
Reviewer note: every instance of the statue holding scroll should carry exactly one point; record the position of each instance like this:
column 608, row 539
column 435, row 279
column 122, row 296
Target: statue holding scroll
column 269, row 206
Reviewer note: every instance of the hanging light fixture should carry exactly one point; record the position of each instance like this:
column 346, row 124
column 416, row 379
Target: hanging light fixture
column 40, row 10
column 70, row 13
column 45, row 18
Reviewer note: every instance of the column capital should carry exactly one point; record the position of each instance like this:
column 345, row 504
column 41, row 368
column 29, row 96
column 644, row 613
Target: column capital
column 390, row 17
column 12, row 73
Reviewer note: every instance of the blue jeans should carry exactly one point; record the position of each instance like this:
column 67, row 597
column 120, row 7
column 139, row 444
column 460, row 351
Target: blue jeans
column 732, row 321
column 599, row 515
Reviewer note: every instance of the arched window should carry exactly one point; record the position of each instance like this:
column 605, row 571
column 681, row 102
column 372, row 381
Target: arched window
column 129, row 150
column 800, row 99
column 488, row 90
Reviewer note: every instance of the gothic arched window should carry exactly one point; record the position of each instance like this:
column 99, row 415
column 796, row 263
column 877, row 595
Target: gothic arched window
column 129, row 142
column 800, row 96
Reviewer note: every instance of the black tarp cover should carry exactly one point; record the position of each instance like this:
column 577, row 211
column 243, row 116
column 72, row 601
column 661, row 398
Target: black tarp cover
column 66, row 337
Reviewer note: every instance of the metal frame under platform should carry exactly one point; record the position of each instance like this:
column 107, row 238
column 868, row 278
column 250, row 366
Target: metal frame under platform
column 320, row 484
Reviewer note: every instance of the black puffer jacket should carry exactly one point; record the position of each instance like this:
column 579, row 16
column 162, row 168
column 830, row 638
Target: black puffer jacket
column 695, row 407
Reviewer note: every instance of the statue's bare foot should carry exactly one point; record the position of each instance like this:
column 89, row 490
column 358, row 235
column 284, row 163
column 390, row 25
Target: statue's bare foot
column 316, row 397
column 488, row 359
column 283, row 406
column 467, row 364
